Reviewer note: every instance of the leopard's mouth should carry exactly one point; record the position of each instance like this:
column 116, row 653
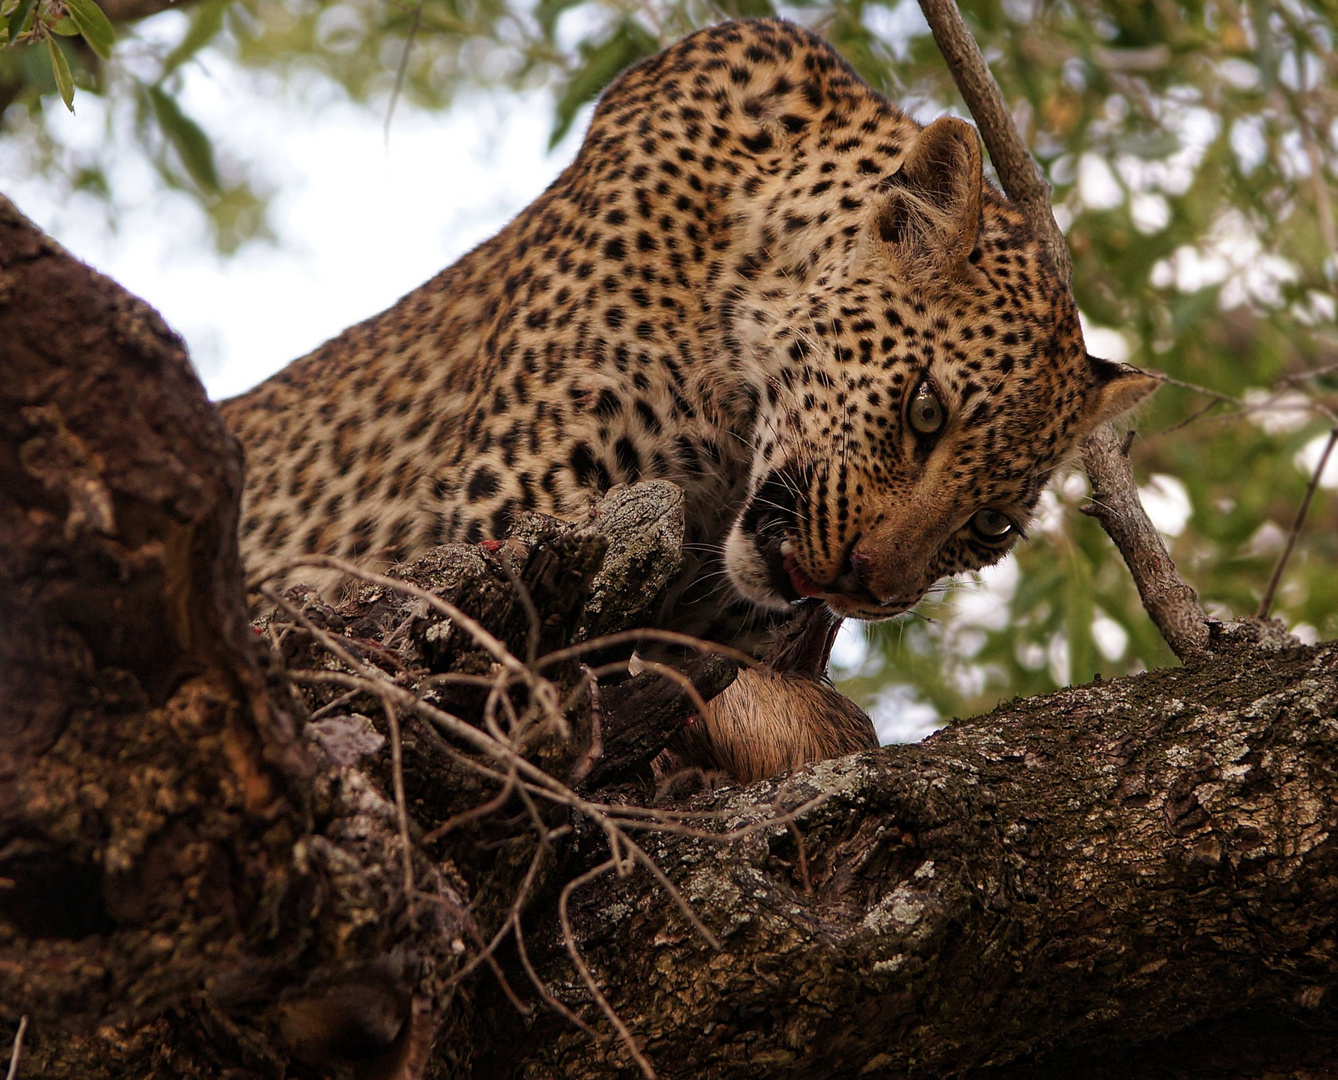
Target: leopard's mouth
column 773, row 550
column 770, row 523
column 762, row 555
column 789, row 580
column 787, row 576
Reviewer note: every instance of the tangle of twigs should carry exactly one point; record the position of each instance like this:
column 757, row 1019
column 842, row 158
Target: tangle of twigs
column 496, row 749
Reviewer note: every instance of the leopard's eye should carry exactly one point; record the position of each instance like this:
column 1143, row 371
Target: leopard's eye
column 926, row 414
column 991, row 526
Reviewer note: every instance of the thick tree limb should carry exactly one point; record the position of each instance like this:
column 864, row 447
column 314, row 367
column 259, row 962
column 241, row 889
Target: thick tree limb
column 162, row 825
column 1173, row 605
column 1107, row 864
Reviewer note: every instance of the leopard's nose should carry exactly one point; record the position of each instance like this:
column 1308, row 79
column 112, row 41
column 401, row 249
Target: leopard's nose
column 861, row 565
column 856, row 573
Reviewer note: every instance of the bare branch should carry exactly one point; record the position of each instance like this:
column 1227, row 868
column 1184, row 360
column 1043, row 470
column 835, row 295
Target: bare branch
column 1172, row 604
column 1266, row 601
column 574, row 951
column 17, row 1053
column 1017, row 170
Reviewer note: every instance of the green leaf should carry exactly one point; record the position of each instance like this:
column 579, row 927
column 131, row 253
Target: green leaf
column 60, row 67
column 93, row 24
column 65, row 28
column 206, row 21
column 91, row 178
column 188, row 140
column 18, row 17
column 601, row 63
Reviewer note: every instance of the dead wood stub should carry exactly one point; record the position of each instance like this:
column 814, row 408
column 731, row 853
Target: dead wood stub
column 642, row 715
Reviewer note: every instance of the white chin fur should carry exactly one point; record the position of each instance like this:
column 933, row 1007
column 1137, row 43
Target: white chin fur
column 748, row 577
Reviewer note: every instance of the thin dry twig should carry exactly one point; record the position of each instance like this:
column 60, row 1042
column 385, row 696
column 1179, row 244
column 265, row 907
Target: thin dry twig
column 333, row 706
column 650, row 817
column 17, row 1052
column 403, row 68
column 512, row 920
column 1266, row 601
column 801, row 855
column 636, row 637
column 372, row 681
column 482, row 810
column 1308, row 375
column 401, row 800
column 549, row 998
column 569, row 939
column 1311, row 404
column 668, row 886
column 595, row 749
column 1194, row 417
column 543, row 692
column 487, row 641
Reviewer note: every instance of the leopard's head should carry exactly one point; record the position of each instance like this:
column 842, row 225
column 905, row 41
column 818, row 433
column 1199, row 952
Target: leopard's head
column 918, row 395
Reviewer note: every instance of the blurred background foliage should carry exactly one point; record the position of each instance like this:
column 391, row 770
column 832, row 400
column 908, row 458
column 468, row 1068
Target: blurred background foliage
column 1191, row 146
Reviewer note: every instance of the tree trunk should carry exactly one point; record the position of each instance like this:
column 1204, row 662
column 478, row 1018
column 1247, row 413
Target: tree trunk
column 315, row 850
column 186, row 880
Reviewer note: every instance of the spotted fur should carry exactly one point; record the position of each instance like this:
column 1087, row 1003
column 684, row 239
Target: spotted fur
column 749, row 278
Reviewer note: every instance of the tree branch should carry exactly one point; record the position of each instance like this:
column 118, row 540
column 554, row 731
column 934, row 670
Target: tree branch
column 1119, row 861
column 1172, row 604
column 162, row 824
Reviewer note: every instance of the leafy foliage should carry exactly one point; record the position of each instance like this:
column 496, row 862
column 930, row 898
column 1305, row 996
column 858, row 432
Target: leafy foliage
column 1190, row 144
column 139, row 82
column 28, row 22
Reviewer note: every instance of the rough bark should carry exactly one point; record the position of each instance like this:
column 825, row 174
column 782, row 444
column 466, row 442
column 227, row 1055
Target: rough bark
column 185, row 880
column 201, row 828
column 1109, row 864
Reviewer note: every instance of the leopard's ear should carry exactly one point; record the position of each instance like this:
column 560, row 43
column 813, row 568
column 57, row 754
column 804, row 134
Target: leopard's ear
column 928, row 218
column 1114, row 389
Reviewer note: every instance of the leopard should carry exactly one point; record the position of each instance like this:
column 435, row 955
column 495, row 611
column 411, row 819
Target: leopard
column 758, row 279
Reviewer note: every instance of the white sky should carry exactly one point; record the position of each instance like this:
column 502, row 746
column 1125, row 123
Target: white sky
column 359, row 222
